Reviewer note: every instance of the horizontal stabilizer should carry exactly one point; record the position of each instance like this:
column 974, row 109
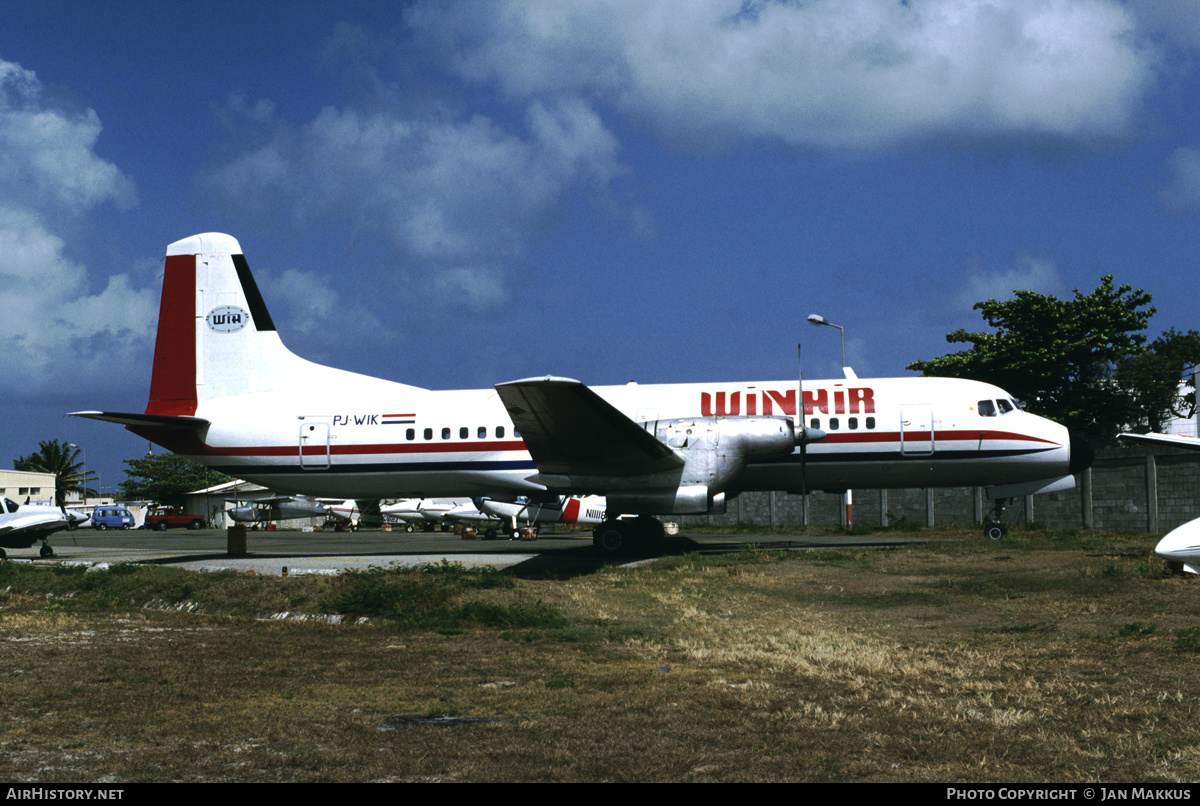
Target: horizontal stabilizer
column 569, row 430
column 153, row 420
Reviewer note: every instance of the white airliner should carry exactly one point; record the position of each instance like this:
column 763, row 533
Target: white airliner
column 1181, row 544
column 228, row 393
column 22, row 525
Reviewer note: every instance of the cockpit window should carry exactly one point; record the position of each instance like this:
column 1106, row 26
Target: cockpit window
column 986, row 408
column 1005, row 406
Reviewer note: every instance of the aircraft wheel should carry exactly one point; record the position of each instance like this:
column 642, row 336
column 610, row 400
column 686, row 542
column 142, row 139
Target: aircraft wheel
column 515, row 534
column 609, row 539
column 408, row 527
column 995, row 531
column 47, row 551
column 490, row 534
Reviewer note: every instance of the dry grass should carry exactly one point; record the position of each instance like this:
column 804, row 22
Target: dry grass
column 1047, row 657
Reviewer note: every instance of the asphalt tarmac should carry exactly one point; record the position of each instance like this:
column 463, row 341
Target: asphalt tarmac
column 330, row 552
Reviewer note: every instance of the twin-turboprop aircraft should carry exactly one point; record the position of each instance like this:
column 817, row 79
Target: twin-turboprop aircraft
column 227, row 392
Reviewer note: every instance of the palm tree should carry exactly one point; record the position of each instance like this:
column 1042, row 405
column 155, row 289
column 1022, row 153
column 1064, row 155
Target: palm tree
column 61, row 459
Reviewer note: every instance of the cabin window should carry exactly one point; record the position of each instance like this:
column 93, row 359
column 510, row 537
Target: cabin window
column 852, row 422
column 815, row 422
column 445, row 433
column 833, row 423
column 410, row 434
column 483, row 432
column 987, row 408
column 870, row 422
column 428, row 433
column 499, row 432
column 464, row 432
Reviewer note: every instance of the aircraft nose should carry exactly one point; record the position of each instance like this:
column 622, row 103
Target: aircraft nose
column 1082, row 453
column 1180, row 543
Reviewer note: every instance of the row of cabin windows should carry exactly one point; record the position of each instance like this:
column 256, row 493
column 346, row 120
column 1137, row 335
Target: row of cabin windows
column 834, row 423
column 463, row 433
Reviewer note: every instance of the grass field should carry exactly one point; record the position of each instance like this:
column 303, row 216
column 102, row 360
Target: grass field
column 1049, row 656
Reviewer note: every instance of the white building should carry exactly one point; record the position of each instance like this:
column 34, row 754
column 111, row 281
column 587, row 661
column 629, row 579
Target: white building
column 27, row 487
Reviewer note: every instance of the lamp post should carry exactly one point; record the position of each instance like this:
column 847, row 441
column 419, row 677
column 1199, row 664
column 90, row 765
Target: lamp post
column 99, row 483
column 818, row 320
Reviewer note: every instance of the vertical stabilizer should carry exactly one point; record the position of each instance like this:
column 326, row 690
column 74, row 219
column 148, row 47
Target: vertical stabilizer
column 215, row 336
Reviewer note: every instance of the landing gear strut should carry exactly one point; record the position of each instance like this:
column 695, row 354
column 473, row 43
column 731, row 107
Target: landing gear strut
column 993, row 529
column 619, row 538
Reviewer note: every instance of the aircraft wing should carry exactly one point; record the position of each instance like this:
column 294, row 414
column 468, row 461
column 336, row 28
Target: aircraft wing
column 21, row 530
column 570, row 431
column 1190, row 443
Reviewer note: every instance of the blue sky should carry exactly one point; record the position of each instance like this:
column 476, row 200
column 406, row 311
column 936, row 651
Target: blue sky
column 455, row 194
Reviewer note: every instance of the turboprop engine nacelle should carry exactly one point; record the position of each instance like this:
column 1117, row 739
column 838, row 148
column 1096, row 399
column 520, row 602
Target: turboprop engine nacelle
column 714, row 451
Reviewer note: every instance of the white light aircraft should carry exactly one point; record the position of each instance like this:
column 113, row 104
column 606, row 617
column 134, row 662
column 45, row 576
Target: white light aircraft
column 228, row 393
column 1181, row 545
column 424, row 512
column 276, row 508
column 587, row 510
column 22, row 525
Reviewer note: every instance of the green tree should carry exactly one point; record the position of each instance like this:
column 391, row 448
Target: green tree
column 1083, row 361
column 1145, row 375
column 61, row 459
column 166, row 478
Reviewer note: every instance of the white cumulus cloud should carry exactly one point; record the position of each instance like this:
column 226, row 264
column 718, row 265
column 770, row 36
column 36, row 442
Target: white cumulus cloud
column 1027, row 274
column 851, row 73
column 56, row 331
column 451, row 193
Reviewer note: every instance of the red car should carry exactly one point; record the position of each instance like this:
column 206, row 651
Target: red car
column 160, row 518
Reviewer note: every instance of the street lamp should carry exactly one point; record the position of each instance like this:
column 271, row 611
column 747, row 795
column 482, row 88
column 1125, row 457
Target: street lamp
column 99, row 483
column 817, row 319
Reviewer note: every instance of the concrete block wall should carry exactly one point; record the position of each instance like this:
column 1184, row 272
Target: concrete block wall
column 1143, row 487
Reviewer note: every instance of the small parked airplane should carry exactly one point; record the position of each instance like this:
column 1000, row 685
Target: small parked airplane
column 22, row 525
column 227, row 392
column 276, row 508
column 1181, row 545
column 426, row 513
column 588, row 510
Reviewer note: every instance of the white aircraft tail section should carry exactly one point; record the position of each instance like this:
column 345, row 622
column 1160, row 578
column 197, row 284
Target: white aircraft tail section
column 216, row 338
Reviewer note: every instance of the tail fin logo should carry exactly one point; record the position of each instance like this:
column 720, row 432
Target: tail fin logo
column 227, row 319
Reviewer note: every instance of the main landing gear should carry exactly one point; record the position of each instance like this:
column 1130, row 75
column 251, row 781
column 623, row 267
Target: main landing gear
column 620, row 538
column 993, row 529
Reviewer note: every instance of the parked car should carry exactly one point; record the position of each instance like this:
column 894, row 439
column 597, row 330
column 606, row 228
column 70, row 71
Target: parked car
column 111, row 518
column 162, row 518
